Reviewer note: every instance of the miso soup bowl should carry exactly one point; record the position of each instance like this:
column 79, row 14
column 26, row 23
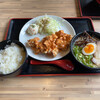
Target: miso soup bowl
column 91, row 33
column 19, row 69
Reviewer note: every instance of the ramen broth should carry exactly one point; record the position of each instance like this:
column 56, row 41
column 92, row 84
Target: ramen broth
column 86, row 50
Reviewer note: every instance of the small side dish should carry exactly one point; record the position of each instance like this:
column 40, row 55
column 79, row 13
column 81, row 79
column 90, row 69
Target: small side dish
column 11, row 58
column 52, row 44
column 87, row 50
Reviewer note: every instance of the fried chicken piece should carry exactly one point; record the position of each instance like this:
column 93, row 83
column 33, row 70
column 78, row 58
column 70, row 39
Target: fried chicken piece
column 63, row 41
column 33, row 42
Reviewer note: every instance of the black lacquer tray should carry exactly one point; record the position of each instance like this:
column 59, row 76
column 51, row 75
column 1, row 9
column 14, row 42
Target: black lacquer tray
column 79, row 24
column 89, row 8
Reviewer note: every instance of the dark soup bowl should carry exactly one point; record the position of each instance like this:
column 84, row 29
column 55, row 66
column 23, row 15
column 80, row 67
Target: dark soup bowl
column 85, row 49
column 13, row 56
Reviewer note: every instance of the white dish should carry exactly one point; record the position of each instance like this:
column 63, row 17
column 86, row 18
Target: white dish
column 23, row 37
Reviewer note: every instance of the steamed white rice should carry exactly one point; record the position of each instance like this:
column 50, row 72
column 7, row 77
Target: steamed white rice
column 11, row 58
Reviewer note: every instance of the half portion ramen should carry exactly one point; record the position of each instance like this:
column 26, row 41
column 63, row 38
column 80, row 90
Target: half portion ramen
column 87, row 50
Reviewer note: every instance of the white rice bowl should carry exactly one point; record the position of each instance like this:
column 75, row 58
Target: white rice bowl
column 11, row 58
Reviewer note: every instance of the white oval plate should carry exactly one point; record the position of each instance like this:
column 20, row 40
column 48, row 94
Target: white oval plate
column 23, row 37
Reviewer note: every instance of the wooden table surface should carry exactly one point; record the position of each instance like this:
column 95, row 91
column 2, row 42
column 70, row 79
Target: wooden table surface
column 45, row 88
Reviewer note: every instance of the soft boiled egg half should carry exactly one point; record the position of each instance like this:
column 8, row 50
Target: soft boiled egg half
column 89, row 49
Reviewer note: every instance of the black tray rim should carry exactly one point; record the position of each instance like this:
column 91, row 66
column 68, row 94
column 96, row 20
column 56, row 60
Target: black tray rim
column 80, row 74
column 80, row 8
column 39, row 75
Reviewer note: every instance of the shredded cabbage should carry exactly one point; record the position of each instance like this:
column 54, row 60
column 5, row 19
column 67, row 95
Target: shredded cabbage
column 48, row 25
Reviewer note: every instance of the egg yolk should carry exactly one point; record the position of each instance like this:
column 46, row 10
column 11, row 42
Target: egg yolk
column 89, row 48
